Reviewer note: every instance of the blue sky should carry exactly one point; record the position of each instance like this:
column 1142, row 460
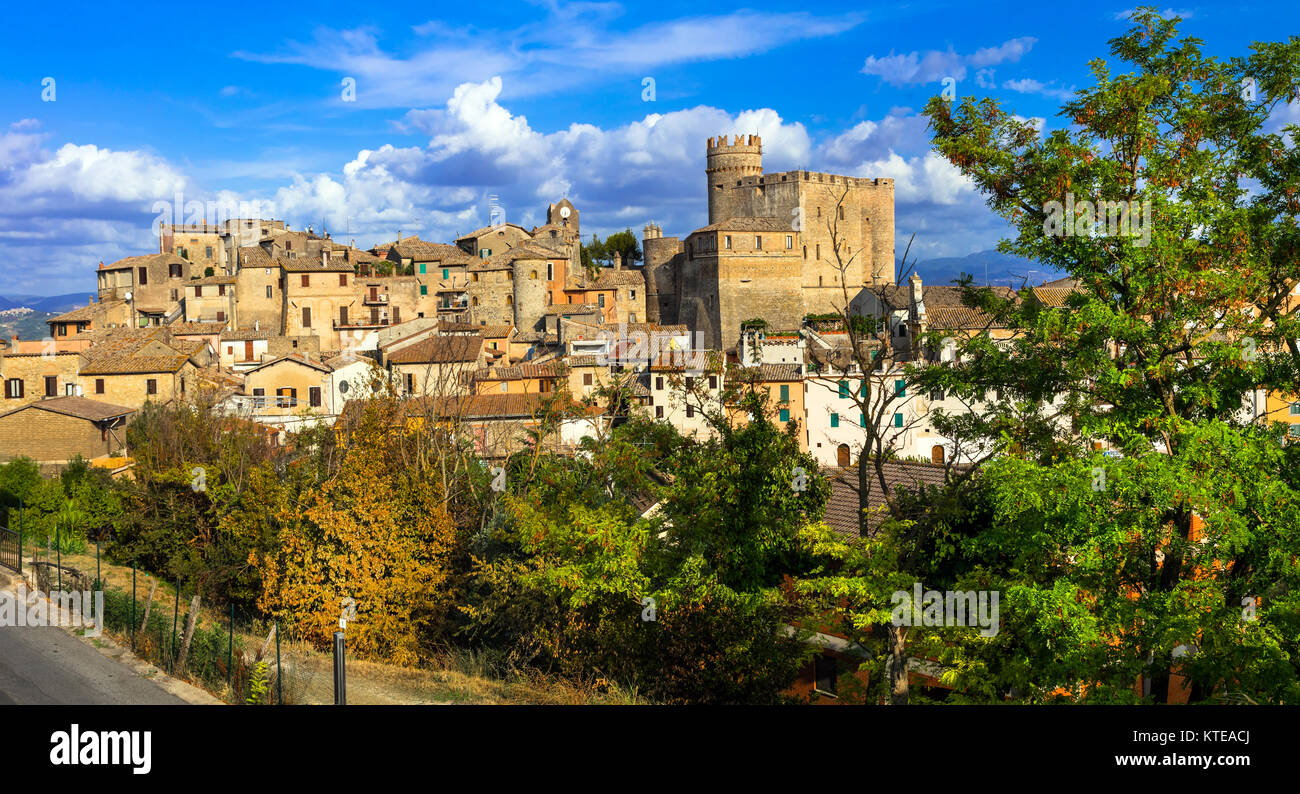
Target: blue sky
column 526, row 101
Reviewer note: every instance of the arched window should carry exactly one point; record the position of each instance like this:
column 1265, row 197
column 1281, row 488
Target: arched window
column 474, row 301
column 842, row 455
column 533, row 275
column 510, row 300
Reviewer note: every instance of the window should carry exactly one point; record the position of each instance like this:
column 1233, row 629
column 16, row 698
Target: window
column 1295, row 431
column 410, row 383
column 207, row 252
column 313, row 396
column 446, row 274
column 713, row 381
column 1295, row 409
column 423, row 271
column 586, row 379
column 898, row 420
column 862, row 420
column 259, row 398
column 726, row 242
column 785, row 414
column 99, row 385
column 819, row 251
column 659, row 382
column 286, row 398
column 198, row 290
column 690, row 411
column 14, row 389
column 424, row 290
column 659, row 412
column 151, row 386
column 306, row 317
column 343, row 279
column 900, row 388
column 841, row 208
column 306, row 280
column 221, row 317
column 71, row 390
column 51, row 385
column 844, row 389
column 690, row 383
column 826, row 676
column 758, row 242
column 143, row 275
column 174, row 270
column 532, row 274
column 550, row 271
column 936, row 395
column 510, row 300
column 269, row 289
column 343, row 315
column 789, row 241
column 785, row 393
column 835, row 420
column 634, row 297
column 600, row 300
column 175, row 296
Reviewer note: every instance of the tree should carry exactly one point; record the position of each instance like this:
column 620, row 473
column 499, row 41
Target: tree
column 1181, row 313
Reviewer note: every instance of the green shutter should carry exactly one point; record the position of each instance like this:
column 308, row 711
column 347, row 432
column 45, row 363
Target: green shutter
column 424, row 290
column 785, row 393
column 844, row 389
column 835, row 420
column 900, row 388
column 898, row 420
column 444, row 274
column 785, row 414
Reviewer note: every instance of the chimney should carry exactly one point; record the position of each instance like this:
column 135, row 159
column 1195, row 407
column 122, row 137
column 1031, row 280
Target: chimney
column 618, row 261
column 915, row 282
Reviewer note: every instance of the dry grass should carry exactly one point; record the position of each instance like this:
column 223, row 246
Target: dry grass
column 455, row 677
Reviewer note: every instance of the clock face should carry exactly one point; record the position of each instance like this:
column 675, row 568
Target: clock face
column 564, row 212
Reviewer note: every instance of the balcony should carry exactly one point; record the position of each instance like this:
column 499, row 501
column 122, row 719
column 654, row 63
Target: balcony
column 375, row 300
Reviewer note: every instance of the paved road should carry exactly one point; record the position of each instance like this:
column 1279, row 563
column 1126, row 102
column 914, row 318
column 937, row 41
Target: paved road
column 47, row 666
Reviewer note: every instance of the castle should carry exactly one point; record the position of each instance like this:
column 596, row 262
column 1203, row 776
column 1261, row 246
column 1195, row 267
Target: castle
column 777, row 246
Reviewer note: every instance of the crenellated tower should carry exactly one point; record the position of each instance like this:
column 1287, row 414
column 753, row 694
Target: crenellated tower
column 726, row 164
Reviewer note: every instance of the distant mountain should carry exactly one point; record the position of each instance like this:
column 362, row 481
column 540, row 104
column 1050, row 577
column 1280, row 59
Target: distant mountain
column 986, row 267
column 53, row 304
column 24, row 323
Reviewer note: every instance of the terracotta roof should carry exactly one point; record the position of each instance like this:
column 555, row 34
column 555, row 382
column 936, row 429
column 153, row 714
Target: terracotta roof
column 184, row 329
column 422, row 251
column 703, row 360
column 144, row 261
column 131, row 365
column 550, row 369
column 315, row 265
column 440, row 350
column 294, row 358
column 609, row 278
column 747, row 225
column 84, row 313
column 79, row 407
column 486, row 229
column 245, row 335
column 843, row 505
column 772, row 372
column 254, row 256
column 573, row 308
column 205, row 281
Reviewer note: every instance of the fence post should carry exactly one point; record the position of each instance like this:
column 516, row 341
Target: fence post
column 176, row 611
column 98, row 582
column 132, row 604
column 340, row 672
column 230, row 652
column 20, row 543
column 58, row 549
column 279, row 687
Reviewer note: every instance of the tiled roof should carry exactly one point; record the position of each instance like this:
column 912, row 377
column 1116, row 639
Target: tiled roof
column 747, row 225
column 144, row 261
column 85, row 313
column 79, row 407
column 131, row 365
column 440, row 350
column 314, row 265
column 609, row 278
column 550, row 369
column 295, row 358
column 203, row 282
column 184, row 329
column 573, row 308
column 245, row 335
column 843, row 505
column 422, row 251
column 703, row 360
column 254, row 256
column 486, row 229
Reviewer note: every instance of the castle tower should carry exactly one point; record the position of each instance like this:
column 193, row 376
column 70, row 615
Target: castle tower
column 726, row 163
column 529, row 292
column 660, row 282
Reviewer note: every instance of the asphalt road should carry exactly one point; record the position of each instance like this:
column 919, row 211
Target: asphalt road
column 47, row 666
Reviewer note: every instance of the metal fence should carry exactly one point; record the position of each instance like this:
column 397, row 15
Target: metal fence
column 11, row 549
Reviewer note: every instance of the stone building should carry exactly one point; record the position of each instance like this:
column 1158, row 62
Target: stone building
column 55, row 431
column 153, row 285
column 826, row 235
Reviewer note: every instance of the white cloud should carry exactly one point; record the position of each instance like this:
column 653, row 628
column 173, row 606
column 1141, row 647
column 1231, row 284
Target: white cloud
column 933, row 66
column 573, row 45
column 1031, row 86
